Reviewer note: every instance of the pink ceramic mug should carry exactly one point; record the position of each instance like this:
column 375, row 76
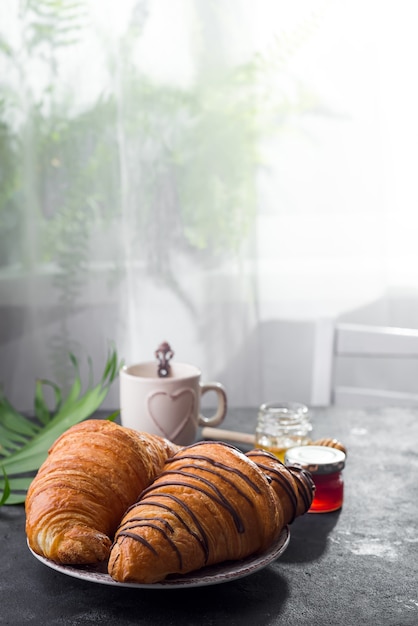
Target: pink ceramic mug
column 169, row 406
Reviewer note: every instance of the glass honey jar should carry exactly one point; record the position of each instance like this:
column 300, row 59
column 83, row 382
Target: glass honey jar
column 325, row 465
column 282, row 425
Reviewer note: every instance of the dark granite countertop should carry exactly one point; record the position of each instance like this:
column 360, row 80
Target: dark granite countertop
column 353, row 567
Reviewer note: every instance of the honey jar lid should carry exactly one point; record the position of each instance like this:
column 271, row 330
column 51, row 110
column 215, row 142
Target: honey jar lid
column 316, row 459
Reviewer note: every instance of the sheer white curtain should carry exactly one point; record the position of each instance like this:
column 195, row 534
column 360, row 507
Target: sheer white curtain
column 215, row 174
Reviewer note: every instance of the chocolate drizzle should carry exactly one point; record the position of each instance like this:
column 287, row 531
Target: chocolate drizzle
column 211, row 471
column 193, row 474
column 144, row 523
column 125, row 533
column 202, row 539
column 219, row 498
column 283, row 476
column 305, row 484
column 227, row 468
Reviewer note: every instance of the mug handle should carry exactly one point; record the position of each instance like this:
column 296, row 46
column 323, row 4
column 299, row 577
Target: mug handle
column 214, row 420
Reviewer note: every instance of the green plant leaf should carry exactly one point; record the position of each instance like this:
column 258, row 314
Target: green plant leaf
column 25, row 442
column 42, row 411
column 76, row 387
column 6, row 489
column 14, row 421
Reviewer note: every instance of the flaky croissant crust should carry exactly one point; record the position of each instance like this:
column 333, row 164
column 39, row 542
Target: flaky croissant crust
column 210, row 504
column 92, row 474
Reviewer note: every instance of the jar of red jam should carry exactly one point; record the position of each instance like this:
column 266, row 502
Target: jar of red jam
column 325, row 465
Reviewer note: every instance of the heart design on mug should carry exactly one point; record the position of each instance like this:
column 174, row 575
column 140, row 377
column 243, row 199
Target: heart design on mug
column 179, row 406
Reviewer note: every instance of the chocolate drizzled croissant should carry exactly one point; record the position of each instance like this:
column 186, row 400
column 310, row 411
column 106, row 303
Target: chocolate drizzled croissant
column 212, row 503
column 93, row 473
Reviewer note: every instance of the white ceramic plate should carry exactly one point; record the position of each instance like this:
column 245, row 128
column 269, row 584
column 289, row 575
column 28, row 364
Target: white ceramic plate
column 225, row 572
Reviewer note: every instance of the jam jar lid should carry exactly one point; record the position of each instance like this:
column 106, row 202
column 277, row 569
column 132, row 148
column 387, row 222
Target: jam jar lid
column 316, row 459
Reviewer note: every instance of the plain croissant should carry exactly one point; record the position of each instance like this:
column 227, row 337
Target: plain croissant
column 92, row 474
column 211, row 504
